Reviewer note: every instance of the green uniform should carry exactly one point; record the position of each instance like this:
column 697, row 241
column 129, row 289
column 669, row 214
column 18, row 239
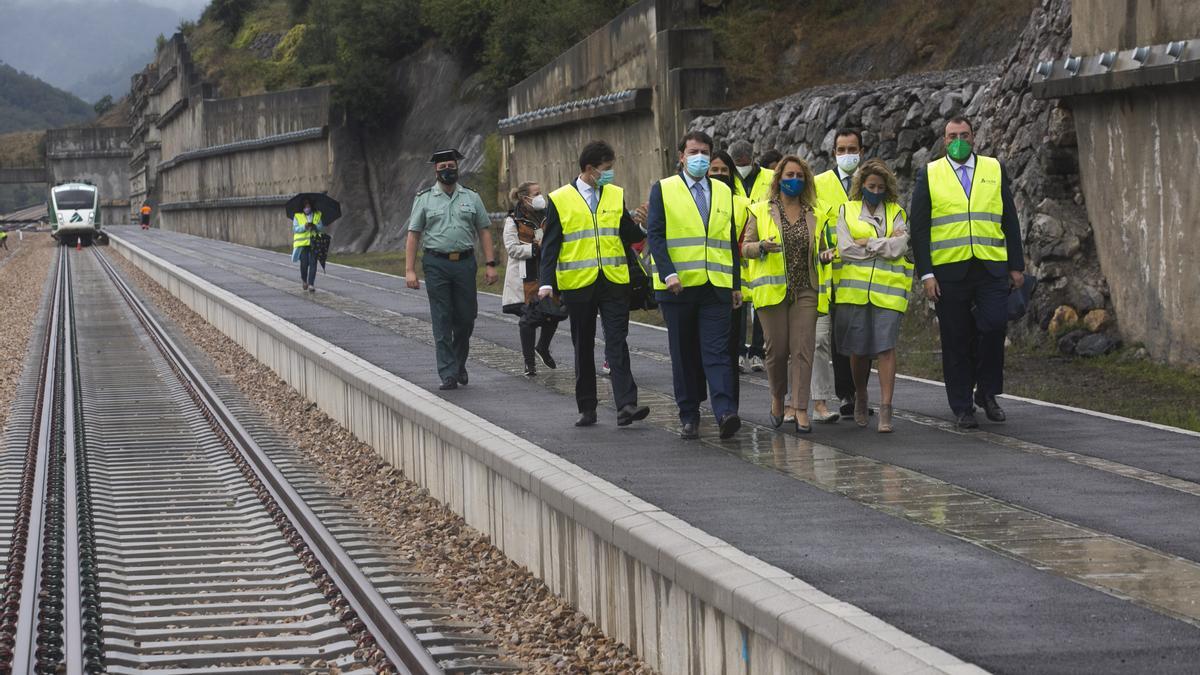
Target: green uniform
column 448, row 224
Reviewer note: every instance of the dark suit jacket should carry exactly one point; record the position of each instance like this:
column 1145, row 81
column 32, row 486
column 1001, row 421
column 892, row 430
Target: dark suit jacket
column 919, row 216
column 552, row 240
column 656, row 234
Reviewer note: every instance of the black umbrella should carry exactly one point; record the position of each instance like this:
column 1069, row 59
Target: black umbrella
column 329, row 207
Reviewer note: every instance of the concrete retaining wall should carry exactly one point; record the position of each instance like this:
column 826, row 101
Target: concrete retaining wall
column 686, row 602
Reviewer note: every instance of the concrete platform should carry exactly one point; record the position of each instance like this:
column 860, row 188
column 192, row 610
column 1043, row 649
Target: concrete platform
column 1061, row 541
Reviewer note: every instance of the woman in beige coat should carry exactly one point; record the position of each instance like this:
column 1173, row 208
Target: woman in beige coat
column 522, row 241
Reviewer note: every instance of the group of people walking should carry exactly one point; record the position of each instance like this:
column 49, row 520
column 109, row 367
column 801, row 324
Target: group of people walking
column 826, row 261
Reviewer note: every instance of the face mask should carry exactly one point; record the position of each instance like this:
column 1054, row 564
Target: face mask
column 448, row 176
column 724, row 178
column 307, row 210
column 791, row 187
column 873, row 198
column 959, row 149
column 606, row 177
column 744, row 171
column 697, row 165
column 538, row 203
column 847, row 163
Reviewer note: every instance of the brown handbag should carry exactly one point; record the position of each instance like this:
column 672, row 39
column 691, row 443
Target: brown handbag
column 527, row 234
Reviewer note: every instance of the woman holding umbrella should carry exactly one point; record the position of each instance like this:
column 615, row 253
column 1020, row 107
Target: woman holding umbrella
column 310, row 214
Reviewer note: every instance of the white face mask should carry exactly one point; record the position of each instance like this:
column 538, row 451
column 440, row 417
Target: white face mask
column 744, row 171
column 848, row 163
column 538, row 203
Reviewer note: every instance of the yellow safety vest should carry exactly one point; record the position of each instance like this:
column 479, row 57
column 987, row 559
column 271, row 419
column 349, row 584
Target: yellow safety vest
column 741, row 214
column 700, row 254
column 768, row 272
column 879, row 281
column 305, row 236
column 963, row 228
column 591, row 241
column 761, row 188
column 831, row 195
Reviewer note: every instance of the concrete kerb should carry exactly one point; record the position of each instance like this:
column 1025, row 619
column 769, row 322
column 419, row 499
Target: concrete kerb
column 813, row 631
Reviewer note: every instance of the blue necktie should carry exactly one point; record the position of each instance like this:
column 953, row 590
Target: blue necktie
column 593, row 199
column 701, row 201
column 965, row 179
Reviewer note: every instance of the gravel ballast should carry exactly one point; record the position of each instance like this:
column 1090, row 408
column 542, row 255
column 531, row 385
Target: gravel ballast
column 535, row 627
column 23, row 271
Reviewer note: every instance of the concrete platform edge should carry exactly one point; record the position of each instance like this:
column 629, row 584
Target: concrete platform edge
column 684, row 600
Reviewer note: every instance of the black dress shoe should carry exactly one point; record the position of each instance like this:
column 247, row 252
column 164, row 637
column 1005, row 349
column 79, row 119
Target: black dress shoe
column 544, row 354
column 730, row 425
column 462, row 377
column 530, row 370
column 967, row 420
column 449, row 383
column 631, row 413
column 847, row 409
column 776, row 420
column 586, row 419
column 991, row 408
column 689, row 431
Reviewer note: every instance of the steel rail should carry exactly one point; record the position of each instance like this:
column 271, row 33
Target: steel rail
column 399, row 645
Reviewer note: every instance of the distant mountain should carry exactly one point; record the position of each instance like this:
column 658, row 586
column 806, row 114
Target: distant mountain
column 90, row 48
column 28, row 103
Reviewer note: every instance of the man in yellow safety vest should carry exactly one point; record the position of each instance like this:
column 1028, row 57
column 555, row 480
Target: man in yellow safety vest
column 967, row 244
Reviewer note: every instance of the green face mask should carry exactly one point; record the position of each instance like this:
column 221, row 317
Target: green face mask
column 959, row 149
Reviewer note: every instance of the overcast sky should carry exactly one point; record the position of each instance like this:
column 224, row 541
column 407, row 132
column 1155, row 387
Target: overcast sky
column 188, row 8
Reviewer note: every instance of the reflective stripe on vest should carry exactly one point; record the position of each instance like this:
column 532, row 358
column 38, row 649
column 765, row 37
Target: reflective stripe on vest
column 741, row 214
column 881, row 282
column 305, row 236
column 591, row 242
column 700, row 254
column 768, row 272
column 961, row 228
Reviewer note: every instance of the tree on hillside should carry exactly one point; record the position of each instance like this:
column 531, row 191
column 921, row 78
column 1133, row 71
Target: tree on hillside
column 103, row 105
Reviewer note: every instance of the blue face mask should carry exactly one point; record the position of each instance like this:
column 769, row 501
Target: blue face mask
column 606, row 177
column 791, row 187
column 873, row 198
column 697, row 165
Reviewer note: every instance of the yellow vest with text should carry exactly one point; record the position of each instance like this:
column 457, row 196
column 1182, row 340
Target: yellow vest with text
column 701, row 254
column 761, row 188
column 591, row 241
column 879, row 281
column 962, row 228
column 305, row 236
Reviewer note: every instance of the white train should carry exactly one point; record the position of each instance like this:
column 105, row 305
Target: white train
column 75, row 213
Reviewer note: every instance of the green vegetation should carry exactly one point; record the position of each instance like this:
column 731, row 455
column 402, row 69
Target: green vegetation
column 28, row 103
column 354, row 43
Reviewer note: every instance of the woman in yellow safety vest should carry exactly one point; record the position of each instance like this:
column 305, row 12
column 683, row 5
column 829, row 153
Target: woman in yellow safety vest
column 780, row 241
column 305, row 226
column 876, row 280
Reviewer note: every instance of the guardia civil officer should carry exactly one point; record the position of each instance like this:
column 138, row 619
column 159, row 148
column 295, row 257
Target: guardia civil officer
column 697, row 281
column 445, row 221
column 967, row 243
column 583, row 258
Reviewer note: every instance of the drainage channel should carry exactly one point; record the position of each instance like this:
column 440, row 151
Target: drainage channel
column 153, row 523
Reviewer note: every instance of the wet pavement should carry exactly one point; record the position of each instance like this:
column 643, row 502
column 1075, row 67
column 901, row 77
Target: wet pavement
column 1058, row 542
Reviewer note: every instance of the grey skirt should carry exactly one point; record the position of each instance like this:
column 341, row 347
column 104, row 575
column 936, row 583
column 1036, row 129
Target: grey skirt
column 865, row 330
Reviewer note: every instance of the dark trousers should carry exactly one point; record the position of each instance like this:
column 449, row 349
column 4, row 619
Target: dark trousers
column 450, row 285
column 308, row 265
column 973, row 318
column 529, row 338
column 611, row 302
column 757, row 346
column 736, row 349
column 698, row 334
column 843, row 379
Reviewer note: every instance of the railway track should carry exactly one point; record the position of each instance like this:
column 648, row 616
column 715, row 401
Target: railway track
column 151, row 523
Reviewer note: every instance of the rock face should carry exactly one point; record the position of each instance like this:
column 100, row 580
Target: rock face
column 902, row 122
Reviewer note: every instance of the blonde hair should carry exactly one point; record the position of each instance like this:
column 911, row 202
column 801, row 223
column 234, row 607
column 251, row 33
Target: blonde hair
column 809, row 196
column 520, row 192
column 874, row 167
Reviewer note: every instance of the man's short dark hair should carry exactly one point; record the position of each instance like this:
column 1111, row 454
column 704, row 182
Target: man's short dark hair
column 696, row 136
column 770, row 158
column 847, row 132
column 596, row 153
column 959, row 119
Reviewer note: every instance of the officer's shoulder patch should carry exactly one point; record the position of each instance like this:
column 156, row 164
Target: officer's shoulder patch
column 467, row 189
column 424, row 191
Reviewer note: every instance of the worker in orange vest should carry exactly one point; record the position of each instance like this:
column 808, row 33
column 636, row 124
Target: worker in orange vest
column 145, row 216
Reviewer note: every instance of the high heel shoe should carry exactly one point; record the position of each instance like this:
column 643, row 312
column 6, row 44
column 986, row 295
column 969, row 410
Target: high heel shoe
column 776, row 420
column 860, row 410
column 885, row 418
column 803, row 429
